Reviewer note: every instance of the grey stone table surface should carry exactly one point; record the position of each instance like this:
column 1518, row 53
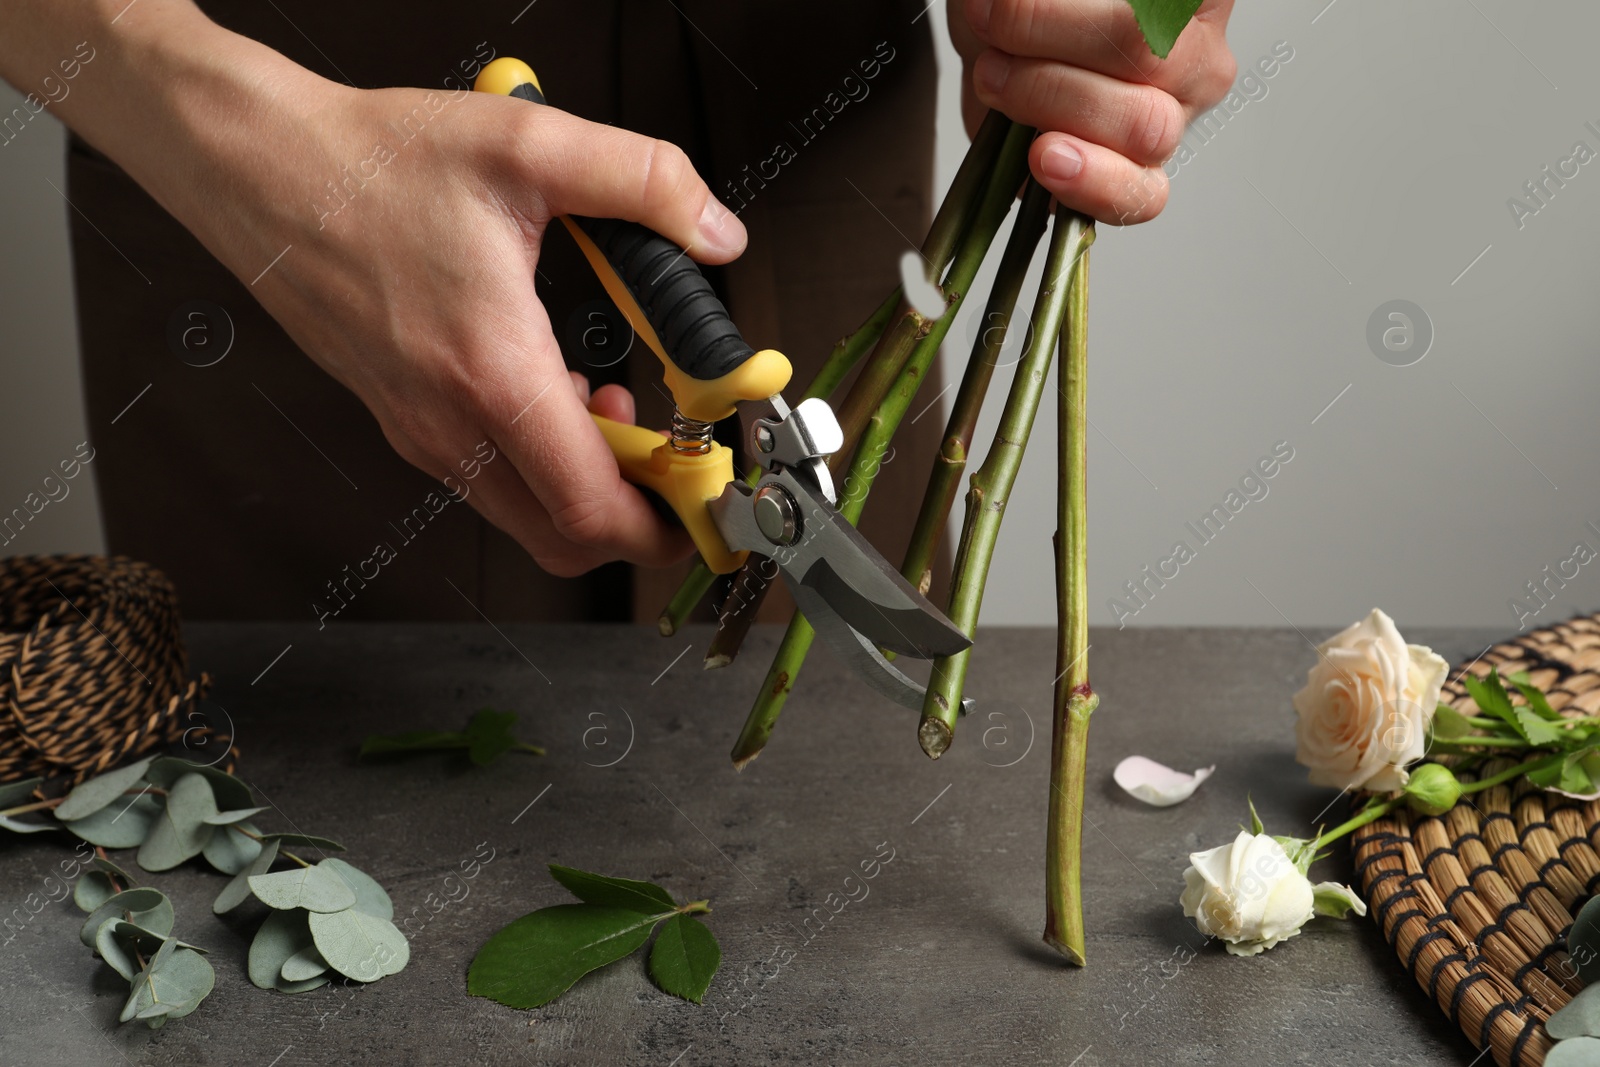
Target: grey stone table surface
column 936, row 960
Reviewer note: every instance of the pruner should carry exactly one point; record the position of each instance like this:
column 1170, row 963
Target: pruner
column 849, row 593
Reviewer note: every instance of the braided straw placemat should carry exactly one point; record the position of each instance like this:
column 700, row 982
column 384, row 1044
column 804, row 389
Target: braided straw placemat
column 1477, row 902
column 92, row 666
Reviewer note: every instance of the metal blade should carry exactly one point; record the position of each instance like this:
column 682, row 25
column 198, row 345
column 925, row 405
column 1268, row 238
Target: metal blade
column 830, row 557
column 860, row 654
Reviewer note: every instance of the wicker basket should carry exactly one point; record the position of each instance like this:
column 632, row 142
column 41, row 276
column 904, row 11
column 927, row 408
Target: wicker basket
column 92, row 666
column 1478, row 902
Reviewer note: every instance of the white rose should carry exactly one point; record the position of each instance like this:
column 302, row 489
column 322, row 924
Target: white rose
column 1366, row 708
column 1252, row 895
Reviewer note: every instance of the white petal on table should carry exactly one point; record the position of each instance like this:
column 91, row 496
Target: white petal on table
column 1156, row 784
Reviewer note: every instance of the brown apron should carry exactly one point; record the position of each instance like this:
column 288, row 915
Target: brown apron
column 257, row 482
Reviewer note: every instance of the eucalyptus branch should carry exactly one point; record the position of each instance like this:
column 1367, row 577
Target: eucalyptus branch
column 1075, row 699
column 991, row 485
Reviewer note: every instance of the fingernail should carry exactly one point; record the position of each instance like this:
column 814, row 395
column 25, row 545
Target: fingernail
column 720, row 229
column 978, row 15
column 1061, row 162
column 991, row 72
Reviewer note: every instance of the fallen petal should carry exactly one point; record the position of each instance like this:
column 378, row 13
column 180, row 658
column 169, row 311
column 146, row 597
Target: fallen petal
column 1156, row 784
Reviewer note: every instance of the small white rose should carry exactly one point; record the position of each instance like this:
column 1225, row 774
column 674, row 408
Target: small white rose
column 1251, row 894
column 1366, row 706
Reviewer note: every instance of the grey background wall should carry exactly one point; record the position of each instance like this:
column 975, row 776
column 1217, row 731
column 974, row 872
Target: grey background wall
column 1375, row 165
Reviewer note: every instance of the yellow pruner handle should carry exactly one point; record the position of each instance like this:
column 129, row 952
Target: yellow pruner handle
column 688, row 483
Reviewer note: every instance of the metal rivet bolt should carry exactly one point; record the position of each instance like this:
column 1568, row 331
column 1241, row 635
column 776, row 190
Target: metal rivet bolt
column 776, row 516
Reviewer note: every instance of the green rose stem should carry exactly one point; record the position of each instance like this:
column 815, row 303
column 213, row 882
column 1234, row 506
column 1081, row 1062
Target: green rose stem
column 1075, row 700
column 951, row 459
column 998, row 197
column 999, row 147
column 991, row 485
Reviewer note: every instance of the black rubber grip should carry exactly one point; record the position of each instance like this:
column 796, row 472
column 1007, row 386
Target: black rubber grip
column 694, row 327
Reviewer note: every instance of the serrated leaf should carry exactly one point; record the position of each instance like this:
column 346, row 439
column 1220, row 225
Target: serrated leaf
column 1448, row 723
column 12, row 792
column 230, row 851
column 180, row 831
column 539, row 956
column 307, row 840
column 94, row 888
column 315, row 889
column 231, row 794
column 591, row 888
column 358, row 945
column 489, row 735
column 282, row 935
column 96, row 793
column 25, row 826
column 119, row 826
column 228, row 818
column 1161, row 21
column 370, row 896
column 141, row 905
column 237, row 891
column 180, row 978
column 303, row 966
column 1534, row 696
column 1492, row 698
column 685, row 957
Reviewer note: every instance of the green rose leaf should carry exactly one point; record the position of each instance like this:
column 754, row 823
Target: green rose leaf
column 25, row 826
column 180, row 832
column 231, row 794
column 1535, row 698
column 358, row 945
column 370, row 896
column 1574, row 1052
column 412, row 741
column 646, row 897
column 142, row 906
column 539, row 956
column 12, row 792
column 96, row 793
column 685, row 957
column 1580, row 1018
column 119, row 825
column 282, row 936
column 94, row 888
column 1161, row 21
column 1570, row 775
column 1492, row 698
column 489, row 735
column 230, row 851
column 177, row 978
column 303, row 966
column 1449, row 723
column 237, row 891
column 315, row 889
column 306, row 840
column 228, row 818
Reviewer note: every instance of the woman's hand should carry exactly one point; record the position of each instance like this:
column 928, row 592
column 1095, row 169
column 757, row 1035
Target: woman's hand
column 1109, row 112
column 395, row 234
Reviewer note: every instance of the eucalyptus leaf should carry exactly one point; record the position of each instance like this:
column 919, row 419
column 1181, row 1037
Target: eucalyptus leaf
column 1574, row 1052
column 117, row 940
column 237, row 891
column 230, row 851
column 180, row 832
column 25, row 826
column 646, row 897
column 119, row 825
column 94, row 888
column 96, row 793
column 228, row 818
column 1161, row 21
column 231, row 794
column 306, row 840
column 282, row 935
column 358, row 945
column 141, row 905
column 306, row 986
column 685, row 957
column 303, row 965
column 1583, row 942
column 1580, row 1018
column 316, row 889
column 181, row 978
column 102, row 864
column 370, row 896
column 539, row 956
column 12, row 792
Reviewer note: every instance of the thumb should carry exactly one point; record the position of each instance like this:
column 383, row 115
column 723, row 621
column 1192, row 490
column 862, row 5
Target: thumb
column 584, row 168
